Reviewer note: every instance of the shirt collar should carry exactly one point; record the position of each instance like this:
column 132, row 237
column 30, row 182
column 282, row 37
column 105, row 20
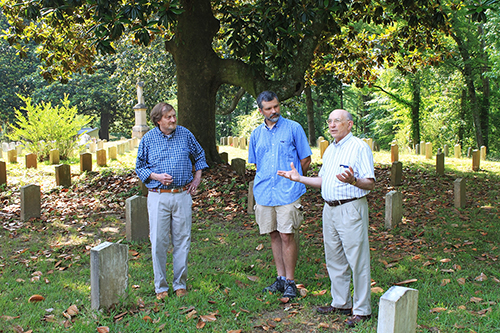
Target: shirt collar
column 275, row 124
column 344, row 139
column 165, row 135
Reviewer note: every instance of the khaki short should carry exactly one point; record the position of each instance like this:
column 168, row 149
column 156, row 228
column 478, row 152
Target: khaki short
column 286, row 219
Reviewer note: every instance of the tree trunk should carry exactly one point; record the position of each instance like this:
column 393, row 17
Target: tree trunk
column 415, row 107
column 462, row 113
column 104, row 125
column 310, row 116
column 484, row 113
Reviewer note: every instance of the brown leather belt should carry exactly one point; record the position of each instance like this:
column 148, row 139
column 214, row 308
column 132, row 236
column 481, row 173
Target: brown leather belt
column 171, row 190
column 335, row 203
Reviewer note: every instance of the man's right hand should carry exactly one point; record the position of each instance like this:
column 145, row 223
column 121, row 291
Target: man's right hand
column 163, row 178
column 292, row 174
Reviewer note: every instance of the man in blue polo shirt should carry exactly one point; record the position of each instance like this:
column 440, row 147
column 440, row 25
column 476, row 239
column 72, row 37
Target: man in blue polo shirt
column 164, row 166
column 273, row 146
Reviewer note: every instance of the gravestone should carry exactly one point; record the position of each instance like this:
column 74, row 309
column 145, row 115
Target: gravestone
column 417, row 149
column 422, row 148
column 243, row 143
column 92, row 147
column 230, row 140
column 369, row 141
column 446, row 150
column 225, row 157
column 144, row 189
column 108, row 274
column 393, row 209
column 31, row 161
column 251, row 199
column 475, row 160
column 322, row 147
column 100, row 144
column 319, row 140
column 30, row 202
column 394, row 153
column 101, row 157
column 3, row 173
column 136, row 218
column 5, row 146
column 85, row 162
column 12, row 155
column 398, row 309
column 428, row 150
column 458, row 151
column 440, row 163
column 112, row 152
column 396, row 173
column 236, row 142
column 483, row 153
column 54, row 156
column 239, row 165
column 63, row 175
column 469, row 152
column 221, row 141
column 459, row 193
column 226, row 141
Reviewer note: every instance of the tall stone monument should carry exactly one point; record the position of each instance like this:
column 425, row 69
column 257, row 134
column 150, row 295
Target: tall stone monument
column 141, row 122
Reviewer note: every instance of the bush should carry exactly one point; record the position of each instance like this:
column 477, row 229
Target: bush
column 44, row 127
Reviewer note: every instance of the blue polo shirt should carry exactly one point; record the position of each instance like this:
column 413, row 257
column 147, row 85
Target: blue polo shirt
column 273, row 149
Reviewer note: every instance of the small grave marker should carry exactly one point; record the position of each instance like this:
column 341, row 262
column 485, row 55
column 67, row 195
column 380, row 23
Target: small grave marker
column 239, row 165
column 475, row 160
column 31, row 160
column 3, row 173
column 459, row 192
column 440, row 163
column 30, row 202
column 458, row 151
column 396, row 173
column 85, row 162
column 136, row 218
column 251, row 199
column 63, row 175
column 398, row 310
column 54, row 156
column 393, row 209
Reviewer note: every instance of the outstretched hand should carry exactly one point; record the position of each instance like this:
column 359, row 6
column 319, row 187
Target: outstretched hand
column 292, row 174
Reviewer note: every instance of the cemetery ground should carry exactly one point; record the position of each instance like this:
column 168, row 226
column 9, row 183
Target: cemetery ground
column 449, row 255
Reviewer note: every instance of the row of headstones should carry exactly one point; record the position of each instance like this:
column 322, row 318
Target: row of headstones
column 397, row 307
column 425, row 148
column 322, row 144
column 236, row 142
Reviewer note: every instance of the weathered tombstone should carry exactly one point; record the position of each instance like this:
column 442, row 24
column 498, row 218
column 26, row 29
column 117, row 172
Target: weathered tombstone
column 144, row 189
column 459, row 192
column 85, row 162
column 3, row 173
column 230, row 140
column 92, row 147
column 239, row 165
column 221, row 141
column 422, row 148
column 126, row 146
column 136, row 218
column 458, row 151
column 30, row 202
column 101, row 157
column 100, row 144
column 483, row 153
column 428, row 150
column 226, row 141
column 369, row 141
column 469, row 152
column 417, row 149
column 446, row 150
column 5, row 146
column 121, row 149
column 318, row 141
column 440, row 163
column 12, row 145
column 54, row 156
column 322, row 147
column 236, row 142
column 108, row 274
column 63, row 175
column 396, row 173
column 251, row 199
column 398, row 310
column 12, row 155
column 475, row 160
column 243, row 143
column 136, row 142
column 394, row 153
column 31, row 161
column 393, row 209
column 112, row 152
column 224, row 156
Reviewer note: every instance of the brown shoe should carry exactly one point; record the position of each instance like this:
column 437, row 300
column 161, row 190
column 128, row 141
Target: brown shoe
column 181, row 292
column 331, row 309
column 162, row 295
column 356, row 319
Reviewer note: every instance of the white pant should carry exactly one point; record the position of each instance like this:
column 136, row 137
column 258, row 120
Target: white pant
column 169, row 222
column 345, row 235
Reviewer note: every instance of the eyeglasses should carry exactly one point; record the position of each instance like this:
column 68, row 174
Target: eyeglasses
column 336, row 121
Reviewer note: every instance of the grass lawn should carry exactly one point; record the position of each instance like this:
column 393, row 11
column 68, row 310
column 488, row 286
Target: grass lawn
column 449, row 255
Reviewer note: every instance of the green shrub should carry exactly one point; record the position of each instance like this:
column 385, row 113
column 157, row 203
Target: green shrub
column 44, row 127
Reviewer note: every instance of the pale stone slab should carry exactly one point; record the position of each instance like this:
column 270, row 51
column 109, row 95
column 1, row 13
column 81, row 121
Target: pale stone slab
column 31, row 160
column 417, row 149
column 112, row 152
column 422, row 148
column 54, row 156
column 469, row 152
column 236, row 142
column 458, row 151
column 251, row 199
column 394, row 153
column 428, row 150
column 459, row 192
column 369, row 141
column 446, row 150
column 30, row 202
column 108, row 274
column 476, row 160
column 101, row 157
column 440, row 163
column 319, row 140
column 396, row 173
column 63, row 175
column 483, row 153
column 398, row 309
column 5, row 146
column 144, row 189
column 322, row 147
column 100, row 144
column 393, row 209
column 92, row 147
column 12, row 155
column 224, row 156
column 85, row 162
column 136, row 218
column 221, row 141
column 239, row 165
column 3, row 173
column 230, row 140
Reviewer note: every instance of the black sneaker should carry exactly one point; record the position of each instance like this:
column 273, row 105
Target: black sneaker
column 290, row 289
column 278, row 285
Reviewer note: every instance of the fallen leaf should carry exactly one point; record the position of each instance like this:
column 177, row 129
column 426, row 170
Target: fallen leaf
column 318, row 293
column 9, row 317
column 481, row 277
column 252, row 278
column 200, row 324
column 103, row 329
column 377, row 290
column 445, row 260
column 323, row 325
column 260, row 247
column 476, row 299
column 484, row 311
column 437, row 310
column 72, row 310
column 406, row 282
column 147, row 318
column 36, row 298
column 234, row 331
column 461, row 281
column 136, row 286
column 19, row 280
column 458, row 326
column 206, row 318
column 447, row 271
column 462, row 307
column 191, row 314
column 284, row 299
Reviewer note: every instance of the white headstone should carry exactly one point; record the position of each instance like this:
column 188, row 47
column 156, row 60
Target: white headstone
column 398, row 311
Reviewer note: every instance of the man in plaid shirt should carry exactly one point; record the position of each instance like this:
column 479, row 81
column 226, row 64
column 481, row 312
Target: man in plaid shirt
column 164, row 165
